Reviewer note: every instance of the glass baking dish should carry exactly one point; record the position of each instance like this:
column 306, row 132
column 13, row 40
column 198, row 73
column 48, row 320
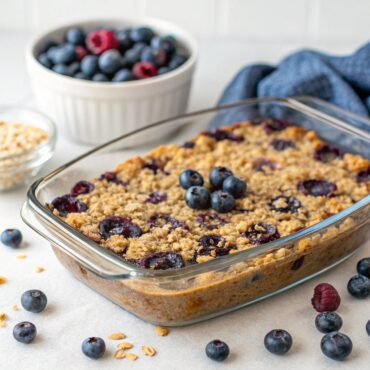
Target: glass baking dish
column 202, row 291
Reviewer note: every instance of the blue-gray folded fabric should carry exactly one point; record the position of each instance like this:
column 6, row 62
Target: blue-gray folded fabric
column 343, row 81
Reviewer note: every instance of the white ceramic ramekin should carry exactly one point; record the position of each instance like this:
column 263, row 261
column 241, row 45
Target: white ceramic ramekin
column 95, row 112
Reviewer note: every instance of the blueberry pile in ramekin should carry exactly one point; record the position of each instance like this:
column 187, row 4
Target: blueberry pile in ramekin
column 116, row 55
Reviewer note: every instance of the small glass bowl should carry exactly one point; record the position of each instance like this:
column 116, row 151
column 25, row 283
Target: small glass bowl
column 21, row 168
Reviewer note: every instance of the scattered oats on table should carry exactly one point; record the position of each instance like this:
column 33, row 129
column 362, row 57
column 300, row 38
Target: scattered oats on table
column 117, row 336
column 3, row 318
column 124, row 345
column 119, row 354
column 161, row 331
column 132, row 356
column 2, row 280
column 21, row 256
column 39, row 269
column 148, row 351
column 15, row 307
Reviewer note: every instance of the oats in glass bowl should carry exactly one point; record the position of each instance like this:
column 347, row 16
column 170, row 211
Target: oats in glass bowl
column 27, row 140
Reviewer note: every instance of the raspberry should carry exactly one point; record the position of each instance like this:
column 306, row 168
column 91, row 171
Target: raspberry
column 144, row 70
column 325, row 298
column 81, row 52
column 99, row 41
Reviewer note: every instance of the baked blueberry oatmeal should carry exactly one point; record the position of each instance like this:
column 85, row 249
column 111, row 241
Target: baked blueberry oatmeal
column 226, row 191
column 166, row 210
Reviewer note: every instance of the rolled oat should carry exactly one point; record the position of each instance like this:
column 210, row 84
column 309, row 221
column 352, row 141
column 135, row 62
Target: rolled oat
column 124, row 345
column 161, row 331
column 117, row 336
column 148, row 351
column 131, row 356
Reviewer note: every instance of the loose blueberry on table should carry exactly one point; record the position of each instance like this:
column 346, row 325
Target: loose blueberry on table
column 118, row 55
column 93, row 347
column 11, row 238
column 359, row 286
column 278, row 341
column 34, row 300
column 327, row 322
column 363, row 267
column 24, row 332
column 217, row 350
column 336, row 346
column 368, row 328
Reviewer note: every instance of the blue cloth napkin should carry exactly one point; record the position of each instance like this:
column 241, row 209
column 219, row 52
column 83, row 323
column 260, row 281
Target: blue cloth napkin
column 343, row 81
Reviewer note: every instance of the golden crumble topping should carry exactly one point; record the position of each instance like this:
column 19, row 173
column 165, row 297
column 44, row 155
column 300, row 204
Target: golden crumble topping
column 294, row 180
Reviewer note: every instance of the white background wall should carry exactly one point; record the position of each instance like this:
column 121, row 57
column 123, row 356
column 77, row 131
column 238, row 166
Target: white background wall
column 284, row 20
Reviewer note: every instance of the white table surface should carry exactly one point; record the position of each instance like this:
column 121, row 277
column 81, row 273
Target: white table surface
column 76, row 312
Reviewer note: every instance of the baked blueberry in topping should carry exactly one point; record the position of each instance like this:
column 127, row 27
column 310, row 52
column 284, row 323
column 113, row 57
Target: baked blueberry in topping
column 219, row 134
column 68, row 204
column 284, row 204
column 190, row 178
column 218, row 175
column 159, row 220
column 211, row 245
column 274, row 125
column 234, row 186
column 364, row 175
column 197, row 197
column 261, row 233
column 326, row 153
column 118, row 226
column 281, row 144
column 162, row 261
column 222, row 202
column 207, row 241
column 156, row 197
column 210, row 221
column 188, row 145
column 112, row 177
column 297, row 264
column 154, row 166
column 82, row 187
column 317, row 188
column 261, row 164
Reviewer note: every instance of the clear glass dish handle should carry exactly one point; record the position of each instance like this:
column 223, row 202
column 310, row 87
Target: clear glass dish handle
column 105, row 268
